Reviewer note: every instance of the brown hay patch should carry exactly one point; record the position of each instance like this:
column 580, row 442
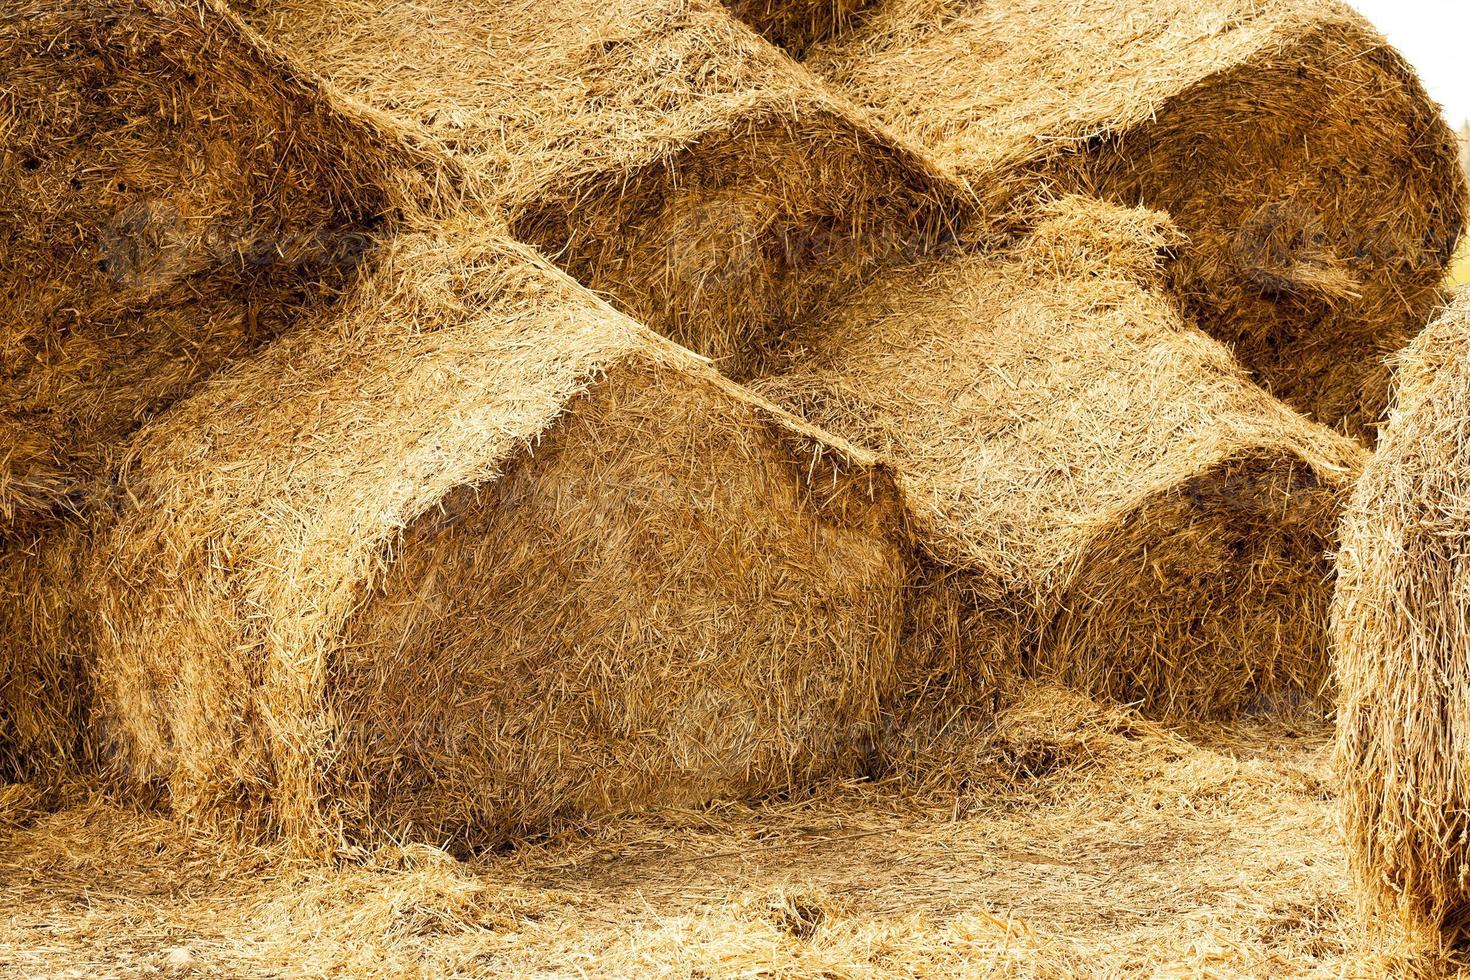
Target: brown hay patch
column 471, row 554
column 1315, row 182
column 1121, row 504
column 174, row 192
column 1399, row 626
column 657, row 149
column 45, row 681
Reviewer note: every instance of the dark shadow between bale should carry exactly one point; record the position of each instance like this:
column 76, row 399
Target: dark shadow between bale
column 797, row 24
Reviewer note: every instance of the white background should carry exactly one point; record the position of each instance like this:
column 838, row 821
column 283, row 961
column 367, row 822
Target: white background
column 1435, row 36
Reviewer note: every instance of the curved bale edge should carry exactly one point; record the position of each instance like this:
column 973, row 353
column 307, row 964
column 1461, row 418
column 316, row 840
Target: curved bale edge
column 175, row 191
column 1119, row 507
column 658, row 150
column 1401, row 643
column 1316, row 184
column 474, row 555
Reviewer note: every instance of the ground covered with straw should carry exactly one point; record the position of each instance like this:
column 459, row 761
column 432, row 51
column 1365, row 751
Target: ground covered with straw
column 1081, row 840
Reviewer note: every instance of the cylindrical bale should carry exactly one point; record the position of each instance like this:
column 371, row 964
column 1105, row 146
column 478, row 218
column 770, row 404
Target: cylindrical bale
column 473, row 554
column 659, row 150
column 1122, row 508
column 1316, row 183
column 1401, row 634
column 173, row 191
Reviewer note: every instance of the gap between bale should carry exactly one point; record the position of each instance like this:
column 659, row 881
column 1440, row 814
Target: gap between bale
column 1116, row 503
column 471, row 555
column 1401, row 639
column 798, row 24
column 657, row 149
column 1315, row 182
column 178, row 191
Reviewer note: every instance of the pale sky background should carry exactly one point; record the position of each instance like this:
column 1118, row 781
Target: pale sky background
column 1435, row 36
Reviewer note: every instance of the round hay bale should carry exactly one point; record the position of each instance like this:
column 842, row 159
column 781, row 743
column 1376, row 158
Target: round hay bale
column 797, row 24
column 1315, row 182
column 473, row 554
column 173, row 191
column 658, row 150
column 1403, row 646
column 1118, row 505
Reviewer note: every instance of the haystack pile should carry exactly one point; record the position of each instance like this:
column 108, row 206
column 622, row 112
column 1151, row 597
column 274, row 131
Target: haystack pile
column 172, row 189
column 472, row 552
column 1315, row 182
column 1403, row 644
column 662, row 152
column 1122, row 508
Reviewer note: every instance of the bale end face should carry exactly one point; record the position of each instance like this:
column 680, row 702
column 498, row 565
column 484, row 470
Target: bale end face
column 1209, row 600
column 1403, row 647
column 672, row 599
column 1276, row 171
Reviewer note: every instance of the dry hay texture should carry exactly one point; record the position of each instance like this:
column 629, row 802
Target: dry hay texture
column 472, row 553
column 174, row 190
column 659, row 150
column 1403, row 644
column 1316, row 183
column 1119, row 506
column 796, row 26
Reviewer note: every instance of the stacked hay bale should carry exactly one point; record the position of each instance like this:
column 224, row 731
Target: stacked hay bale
column 1403, row 645
column 472, row 552
column 1315, row 182
column 175, row 190
column 1118, row 505
column 177, row 195
column 658, row 149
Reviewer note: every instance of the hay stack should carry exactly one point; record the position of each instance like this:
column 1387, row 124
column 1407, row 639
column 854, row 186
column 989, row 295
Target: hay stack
column 657, row 149
column 172, row 189
column 1119, row 505
column 1403, row 645
column 797, row 24
column 1314, row 180
column 474, row 552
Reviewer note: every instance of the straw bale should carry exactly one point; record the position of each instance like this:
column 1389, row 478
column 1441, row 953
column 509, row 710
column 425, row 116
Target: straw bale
column 473, row 554
column 1121, row 508
column 1315, row 182
column 658, row 150
column 173, row 188
column 1401, row 641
